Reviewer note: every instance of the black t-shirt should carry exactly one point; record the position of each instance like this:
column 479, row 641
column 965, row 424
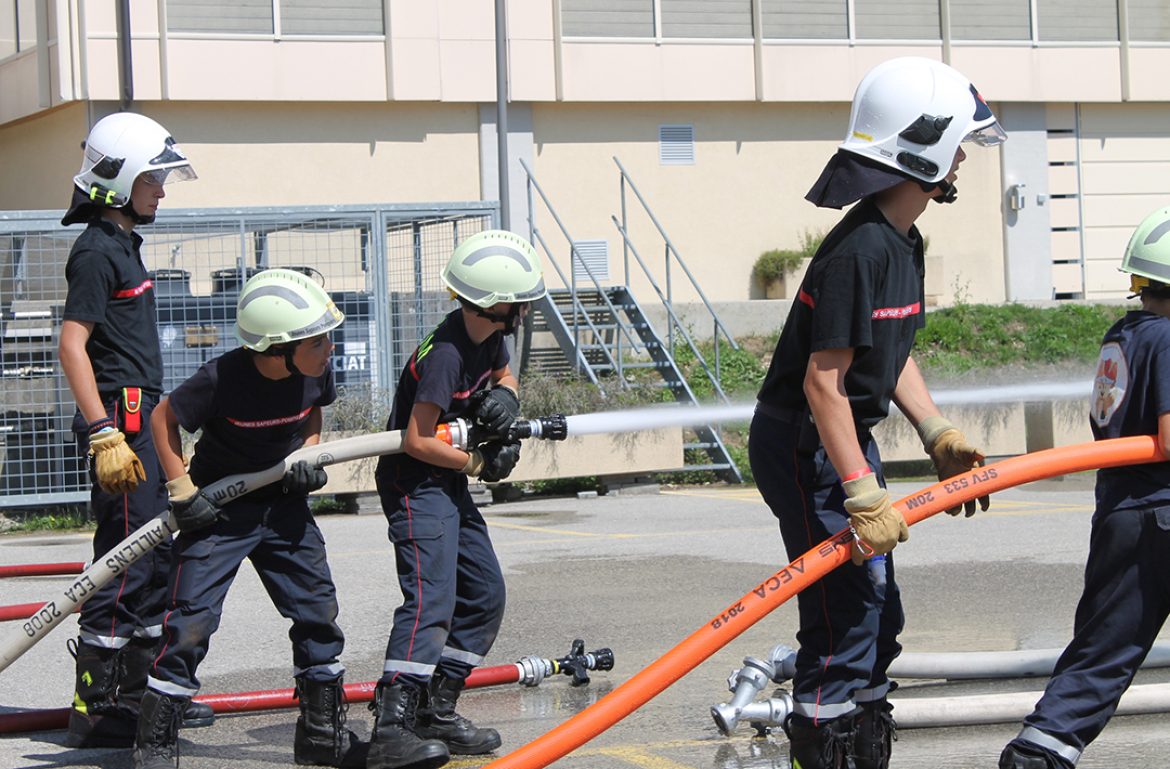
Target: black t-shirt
column 110, row 288
column 445, row 369
column 1130, row 392
column 864, row 290
column 250, row 422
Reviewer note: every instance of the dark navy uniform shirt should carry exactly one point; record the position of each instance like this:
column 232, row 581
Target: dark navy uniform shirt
column 864, row 290
column 445, row 369
column 1130, row 391
column 249, row 422
column 109, row 287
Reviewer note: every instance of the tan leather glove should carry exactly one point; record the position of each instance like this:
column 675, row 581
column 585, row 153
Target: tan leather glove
column 475, row 463
column 117, row 466
column 877, row 525
column 952, row 455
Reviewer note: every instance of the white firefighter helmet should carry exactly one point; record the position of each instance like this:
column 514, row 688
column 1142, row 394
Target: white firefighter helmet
column 1147, row 257
column 280, row 306
column 122, row 146
column 911, row 114
column 495, row 266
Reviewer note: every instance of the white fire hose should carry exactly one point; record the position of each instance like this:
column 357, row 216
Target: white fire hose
column 156, row 531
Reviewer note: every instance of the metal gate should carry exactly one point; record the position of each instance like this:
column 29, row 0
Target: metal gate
column 379, row 263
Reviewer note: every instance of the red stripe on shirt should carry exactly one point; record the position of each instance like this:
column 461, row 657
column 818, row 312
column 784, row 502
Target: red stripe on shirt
column 126, row 293
column 893, row 313
column 804, row 297
column 271, row 422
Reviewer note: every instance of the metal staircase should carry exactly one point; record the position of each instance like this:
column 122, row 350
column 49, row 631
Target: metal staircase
column 600, row 332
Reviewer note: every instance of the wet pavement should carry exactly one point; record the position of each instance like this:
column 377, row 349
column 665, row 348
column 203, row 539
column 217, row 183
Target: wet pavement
column 636, row 573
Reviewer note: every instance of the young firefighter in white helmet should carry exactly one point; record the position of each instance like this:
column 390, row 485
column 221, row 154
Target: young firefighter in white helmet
column 842, row 358
column 453, row 591
column 110, row 355
column 1126, row 596
column 255, row 405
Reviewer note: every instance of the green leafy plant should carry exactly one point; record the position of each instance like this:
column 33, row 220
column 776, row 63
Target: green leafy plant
column 775, row 264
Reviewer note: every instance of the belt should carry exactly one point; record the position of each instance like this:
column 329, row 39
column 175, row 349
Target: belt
column 779, row 413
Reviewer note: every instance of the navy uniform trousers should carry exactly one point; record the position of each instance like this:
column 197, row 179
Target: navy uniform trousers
column 851, row 618
column 281, row 539
column 132, row 603
column 452, row 586
column 1124, row 604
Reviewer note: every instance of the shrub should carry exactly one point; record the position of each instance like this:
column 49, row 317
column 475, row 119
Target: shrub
column 775, row 264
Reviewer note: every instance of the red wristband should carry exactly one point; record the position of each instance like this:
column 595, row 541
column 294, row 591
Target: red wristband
column 857, row 474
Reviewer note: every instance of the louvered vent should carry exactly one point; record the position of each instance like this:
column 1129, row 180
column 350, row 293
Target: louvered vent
column 595, row 254
column 676, row 145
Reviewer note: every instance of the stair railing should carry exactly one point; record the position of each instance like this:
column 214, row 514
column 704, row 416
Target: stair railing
column 537, row 237
column 670, row 256
column 673, row 321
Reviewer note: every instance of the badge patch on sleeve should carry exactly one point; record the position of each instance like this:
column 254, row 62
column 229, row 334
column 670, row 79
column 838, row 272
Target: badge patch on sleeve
column 1110, row 384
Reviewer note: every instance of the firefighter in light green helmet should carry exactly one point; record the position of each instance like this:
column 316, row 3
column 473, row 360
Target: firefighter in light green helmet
column 1124, row 603
column 452, row 587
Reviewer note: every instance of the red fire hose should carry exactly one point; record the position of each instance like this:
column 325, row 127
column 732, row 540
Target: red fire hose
column 22, row 611
column 529, row 671
column 41, row 570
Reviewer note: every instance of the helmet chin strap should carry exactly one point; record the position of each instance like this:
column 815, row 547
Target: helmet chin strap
column 136, row 217
column 948, row 190
column 509, row 319
column 284, row 351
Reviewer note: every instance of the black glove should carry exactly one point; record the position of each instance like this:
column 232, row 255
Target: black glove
column 190, row 506
column 499, row 460
column 302, row 478
column 494, row 411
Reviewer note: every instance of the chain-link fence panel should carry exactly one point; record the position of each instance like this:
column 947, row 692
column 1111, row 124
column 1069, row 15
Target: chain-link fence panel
column 379, row 264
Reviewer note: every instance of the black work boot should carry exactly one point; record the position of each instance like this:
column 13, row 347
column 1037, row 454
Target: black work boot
column 874, row 733
column 394, row 743
column 1018, row 755
column 134, row 663
column 321, row 736
column 438, row 720
column 96, row 720
column 827, row 746
column 157, row 743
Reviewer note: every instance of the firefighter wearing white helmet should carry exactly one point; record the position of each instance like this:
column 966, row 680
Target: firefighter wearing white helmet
column 110, row 355
column 1123, row 601
column 450, row 578
column 908, row 118
column 253, row 406
column 842, row 360
column 124, row 149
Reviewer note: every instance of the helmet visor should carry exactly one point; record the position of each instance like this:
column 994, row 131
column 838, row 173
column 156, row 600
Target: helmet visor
column 987, row 136
column 183, row 173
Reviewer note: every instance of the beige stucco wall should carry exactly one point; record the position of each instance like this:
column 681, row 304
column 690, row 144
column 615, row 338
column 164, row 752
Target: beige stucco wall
column 743, row 195
column 270, row 154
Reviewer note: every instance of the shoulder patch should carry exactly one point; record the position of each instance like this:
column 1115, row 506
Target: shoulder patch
column 1110, row 383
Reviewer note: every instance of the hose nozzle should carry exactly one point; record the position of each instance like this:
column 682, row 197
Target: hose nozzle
column 551, row 428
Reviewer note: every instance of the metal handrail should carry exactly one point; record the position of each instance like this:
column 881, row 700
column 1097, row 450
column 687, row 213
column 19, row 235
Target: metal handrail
column 670, row 249
column 578, row 358
column 571, row 281
column 673, row 318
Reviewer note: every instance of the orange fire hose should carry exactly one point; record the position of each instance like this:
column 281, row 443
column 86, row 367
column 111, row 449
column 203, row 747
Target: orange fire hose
column 804, row 571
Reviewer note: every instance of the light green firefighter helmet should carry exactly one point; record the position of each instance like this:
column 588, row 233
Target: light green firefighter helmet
column 495, row 266
column 1147, row 257
column 280, row 306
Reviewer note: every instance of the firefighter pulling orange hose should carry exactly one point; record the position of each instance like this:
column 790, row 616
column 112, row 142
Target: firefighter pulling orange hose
column 806, row 570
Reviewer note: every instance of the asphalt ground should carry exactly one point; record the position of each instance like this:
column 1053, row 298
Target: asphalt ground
column 636, row 573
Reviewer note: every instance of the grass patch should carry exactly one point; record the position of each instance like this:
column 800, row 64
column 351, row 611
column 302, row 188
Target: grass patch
column 969, row 337
column 51, row 518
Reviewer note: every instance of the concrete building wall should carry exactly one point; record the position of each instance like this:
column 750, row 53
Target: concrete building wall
column 284, row 118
